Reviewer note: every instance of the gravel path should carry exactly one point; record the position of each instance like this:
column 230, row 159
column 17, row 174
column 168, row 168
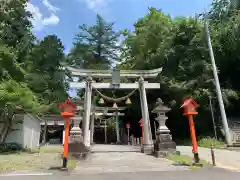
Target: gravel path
column 224, row 158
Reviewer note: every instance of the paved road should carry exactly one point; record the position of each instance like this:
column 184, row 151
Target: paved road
column 224, row 158
column 101, row 148
column 117, row 158
column 206, row 174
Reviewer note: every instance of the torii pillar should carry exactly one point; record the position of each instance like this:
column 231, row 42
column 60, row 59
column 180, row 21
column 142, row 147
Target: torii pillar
column 87, row 113
column 92, row 127
column 117, row 129
column 148, row 142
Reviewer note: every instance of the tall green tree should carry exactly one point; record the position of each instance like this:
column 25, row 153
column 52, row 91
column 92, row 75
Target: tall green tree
column 15, row 27
column 95, row 46
column 179, row 46
column 46, row 77
column 15, row 42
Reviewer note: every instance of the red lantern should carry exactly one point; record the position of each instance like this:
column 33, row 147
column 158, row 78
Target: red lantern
column 141, row 123
column 68, row 109
column 190, row 106
column 128, row 125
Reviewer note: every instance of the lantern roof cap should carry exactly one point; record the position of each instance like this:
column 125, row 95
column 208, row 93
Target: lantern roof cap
column 189, row 101
column 160, row 107
column 67, row 103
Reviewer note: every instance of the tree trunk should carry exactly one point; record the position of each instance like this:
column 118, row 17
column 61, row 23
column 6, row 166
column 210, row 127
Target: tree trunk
column 7, row 128
column 44, row 133
column 6, row 133
column 2, row 133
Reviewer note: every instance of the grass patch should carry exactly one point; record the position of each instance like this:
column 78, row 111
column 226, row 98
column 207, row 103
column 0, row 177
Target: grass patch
column 72, row 163
column 37, row 159
column 185, row 161
column 33, row 161
column 42, row 149
column 205, row 142
column 48, row 149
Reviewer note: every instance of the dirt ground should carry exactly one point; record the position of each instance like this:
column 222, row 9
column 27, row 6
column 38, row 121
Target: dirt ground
column 37, row 160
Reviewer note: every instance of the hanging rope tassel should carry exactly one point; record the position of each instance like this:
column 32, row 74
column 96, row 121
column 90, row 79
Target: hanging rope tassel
column 116, row 100
column 101, row 101
column 115, row 105
column 128, row 101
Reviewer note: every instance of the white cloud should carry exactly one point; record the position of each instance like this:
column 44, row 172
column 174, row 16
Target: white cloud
column 50, row 7
column 38, row 20
column 98, row 6
column 36, row 16
column 51, row 20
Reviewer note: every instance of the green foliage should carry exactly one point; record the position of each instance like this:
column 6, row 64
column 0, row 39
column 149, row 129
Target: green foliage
column 15, row 27
column 95, row 47
column 8, row 65
column 45, row 77
column 31, row 78
column 179, row 46
column 18, row 96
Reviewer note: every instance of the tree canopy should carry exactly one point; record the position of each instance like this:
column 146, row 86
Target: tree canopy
column 31, row 79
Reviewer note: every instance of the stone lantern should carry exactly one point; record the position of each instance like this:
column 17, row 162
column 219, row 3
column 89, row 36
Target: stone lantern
column 164, row 144
column 76, row 131
column 76, row 147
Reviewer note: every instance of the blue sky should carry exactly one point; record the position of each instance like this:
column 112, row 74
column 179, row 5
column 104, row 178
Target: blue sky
column 63, row 17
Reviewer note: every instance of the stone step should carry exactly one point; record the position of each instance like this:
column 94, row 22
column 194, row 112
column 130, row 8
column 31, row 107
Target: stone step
column 236, row 144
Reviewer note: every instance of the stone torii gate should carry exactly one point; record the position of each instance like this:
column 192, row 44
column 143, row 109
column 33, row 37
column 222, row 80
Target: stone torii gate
column 88, row 84
column 97, row 111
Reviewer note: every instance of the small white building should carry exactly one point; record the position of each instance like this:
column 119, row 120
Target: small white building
column 27, row 133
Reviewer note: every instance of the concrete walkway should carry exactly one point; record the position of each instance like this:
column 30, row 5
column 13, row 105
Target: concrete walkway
column 118, row 158
column 224, row 158
column 101, row 148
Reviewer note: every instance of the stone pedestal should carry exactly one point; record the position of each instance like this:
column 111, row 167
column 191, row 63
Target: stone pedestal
column 164, row 146
column 75, row 134
column 76, row 146
column 147, row 149
column 138, row 141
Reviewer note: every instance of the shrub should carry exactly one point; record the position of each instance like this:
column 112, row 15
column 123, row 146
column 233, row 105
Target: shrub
column 10, row 147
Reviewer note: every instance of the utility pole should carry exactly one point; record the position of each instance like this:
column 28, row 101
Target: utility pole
column 218, row 88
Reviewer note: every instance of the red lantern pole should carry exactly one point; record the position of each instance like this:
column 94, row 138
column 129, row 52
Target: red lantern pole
column 190, row 106
column 68, row 110
column 65, row 151
column 141, row 124
column 128, row 131
column 193, row 135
